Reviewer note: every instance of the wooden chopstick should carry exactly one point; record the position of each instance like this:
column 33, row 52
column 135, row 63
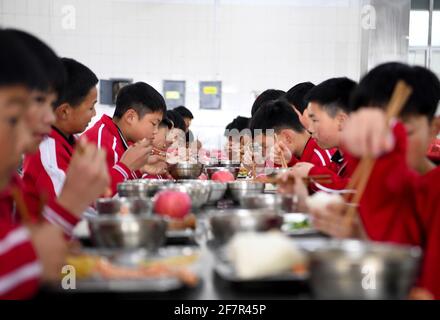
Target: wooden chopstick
column 324, row 178
column 360, row 177
column 283, row 161
column 22, row 208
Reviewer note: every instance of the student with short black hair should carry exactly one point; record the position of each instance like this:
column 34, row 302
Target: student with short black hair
column 265, row 96
column 186, row 114
column 128, row 136
column 296, row 98
column 401, row 201
column 45, row 168
column 293, row 141
column 32, row 254
column 328, row 109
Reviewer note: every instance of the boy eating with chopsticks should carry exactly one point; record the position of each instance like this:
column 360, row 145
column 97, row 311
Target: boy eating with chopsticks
column 401, row 202
column 28, row 255
column 328, row 110
column 292, row 141
column 128, row 136
column 31, row 196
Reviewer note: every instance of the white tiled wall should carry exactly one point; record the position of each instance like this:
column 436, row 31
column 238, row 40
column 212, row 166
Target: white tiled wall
column 249, row 45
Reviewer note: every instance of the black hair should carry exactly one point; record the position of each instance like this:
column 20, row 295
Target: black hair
column 140, row 97
column 239, row 124
column 184, row 112
column 268, row 95
column 276, row 115
column 79, row 81
column 165, row 123
column 376, row 88
column 295, row 95
column 18, row 66
column 176, row 119
column 333, row 95
column 49, row 61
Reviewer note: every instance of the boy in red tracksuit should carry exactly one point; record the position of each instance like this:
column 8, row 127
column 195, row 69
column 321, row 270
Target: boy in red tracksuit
column 401, row 201
column 139, row 110
column 48, row 157
column 328, row 109
column 26, row 255
column 292, row 141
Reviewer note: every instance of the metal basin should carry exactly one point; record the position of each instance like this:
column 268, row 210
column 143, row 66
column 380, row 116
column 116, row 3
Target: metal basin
column 224, row 224
column 136, row 206
column 127, row 232
column 285, row 203
column 239, row 189
column 349, row 269
column 197, row 190
column 186, row 170
column 141, row 188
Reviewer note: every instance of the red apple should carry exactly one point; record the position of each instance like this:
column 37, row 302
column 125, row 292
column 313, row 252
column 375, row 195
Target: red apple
column 222, row 176
column 173, row 204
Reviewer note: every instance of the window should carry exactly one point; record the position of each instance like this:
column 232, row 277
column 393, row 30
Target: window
column 423, row 49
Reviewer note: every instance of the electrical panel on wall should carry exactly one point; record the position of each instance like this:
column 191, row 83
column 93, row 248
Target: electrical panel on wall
column 210, row 95
column 108, row 90
column 174, row 93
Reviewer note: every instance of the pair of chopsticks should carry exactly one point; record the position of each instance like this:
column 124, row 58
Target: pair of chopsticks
column 22, row 208
column 283, row 161
column 322, row 178
column 361, row 175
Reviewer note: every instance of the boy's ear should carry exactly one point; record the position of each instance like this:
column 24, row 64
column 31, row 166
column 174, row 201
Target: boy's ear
column 435, row 127
column 62, row 112
column 130, row 116
column 341, row 118
column 287, row 136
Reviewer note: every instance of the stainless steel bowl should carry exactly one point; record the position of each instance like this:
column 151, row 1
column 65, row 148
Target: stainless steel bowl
column 128, row 231
column 186, row 170
column 217, row 189
column 284, row 203
column 123, row 206
column 275, row 172
column 197, row 190
column 224, row 224
column 211, row 170
column 141, row 188
column 228, row 163
column 238, row 189
column 349, row 269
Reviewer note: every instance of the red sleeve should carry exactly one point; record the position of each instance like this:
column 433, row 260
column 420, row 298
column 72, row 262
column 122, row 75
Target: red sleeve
column 337, row 182
column 387, row 207
column 40, row 196
column 428, row 207
column 19, row 268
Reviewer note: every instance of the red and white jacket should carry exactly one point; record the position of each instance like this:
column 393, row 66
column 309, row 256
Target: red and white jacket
column 44, row 174
column 314, row 154
column 106, row 134
column 20, row 270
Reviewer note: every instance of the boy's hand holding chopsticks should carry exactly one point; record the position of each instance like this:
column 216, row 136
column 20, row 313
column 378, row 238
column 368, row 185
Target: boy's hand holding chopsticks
column 87, row 178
